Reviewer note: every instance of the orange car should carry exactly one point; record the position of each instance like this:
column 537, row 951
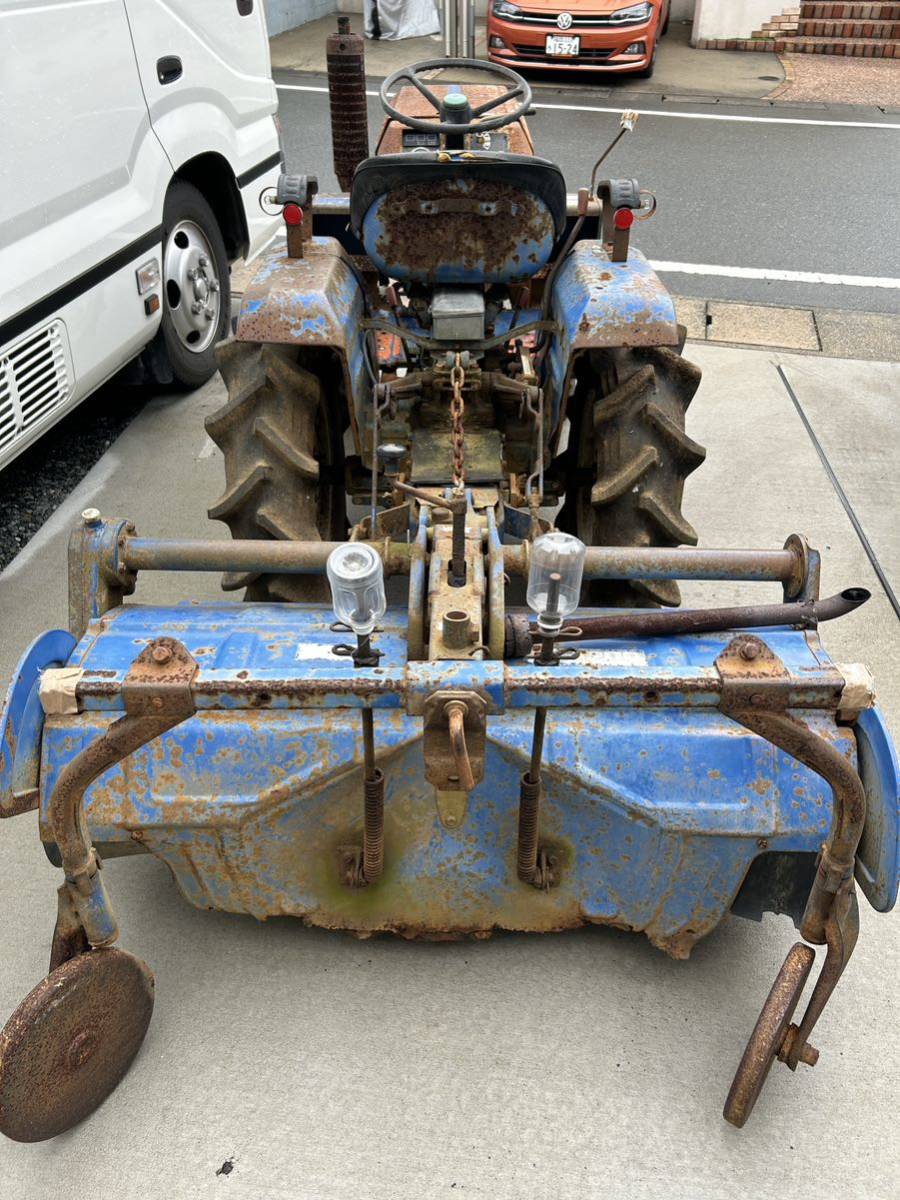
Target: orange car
column 588, row 35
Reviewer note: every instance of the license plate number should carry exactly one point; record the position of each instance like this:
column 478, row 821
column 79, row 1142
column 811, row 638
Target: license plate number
column 562, row 47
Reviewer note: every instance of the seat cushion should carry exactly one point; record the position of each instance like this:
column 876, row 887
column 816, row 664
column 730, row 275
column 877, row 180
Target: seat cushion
column 485, row 218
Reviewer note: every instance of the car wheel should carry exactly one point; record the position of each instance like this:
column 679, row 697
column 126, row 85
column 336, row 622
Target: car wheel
column 196, row 289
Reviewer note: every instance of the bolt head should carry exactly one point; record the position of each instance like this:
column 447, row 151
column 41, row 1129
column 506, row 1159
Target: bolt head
column 213, row 285
column 196, row 307
column 750, row 651
column 91, row 516
column 161, row 655
column 203, row 261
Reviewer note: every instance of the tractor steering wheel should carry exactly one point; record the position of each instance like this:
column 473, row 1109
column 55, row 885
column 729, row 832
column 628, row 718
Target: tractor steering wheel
column 516, row 86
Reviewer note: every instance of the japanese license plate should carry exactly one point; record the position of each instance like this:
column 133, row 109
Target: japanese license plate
column 562, row 47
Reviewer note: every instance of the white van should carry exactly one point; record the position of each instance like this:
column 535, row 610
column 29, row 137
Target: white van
column 136, row 139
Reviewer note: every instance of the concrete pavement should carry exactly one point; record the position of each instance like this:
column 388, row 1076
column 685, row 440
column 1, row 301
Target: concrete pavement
column 680, row 69
column 583, row 1065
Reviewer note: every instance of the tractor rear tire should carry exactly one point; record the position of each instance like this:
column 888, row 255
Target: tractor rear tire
column 284, row 461
column 627, row 423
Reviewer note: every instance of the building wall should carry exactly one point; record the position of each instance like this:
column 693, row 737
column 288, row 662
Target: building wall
column 288, row 14
column 732, row 18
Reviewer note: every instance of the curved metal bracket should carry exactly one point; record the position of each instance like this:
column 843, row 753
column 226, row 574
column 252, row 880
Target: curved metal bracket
column 157, row 696
column 746, row 667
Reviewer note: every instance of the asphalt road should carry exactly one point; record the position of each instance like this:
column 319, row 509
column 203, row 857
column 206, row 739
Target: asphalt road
column 762, row 192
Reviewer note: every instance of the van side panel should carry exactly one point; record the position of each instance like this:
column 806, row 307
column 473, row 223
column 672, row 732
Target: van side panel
column 82, row 183
column 81, row 174
column 223, row 100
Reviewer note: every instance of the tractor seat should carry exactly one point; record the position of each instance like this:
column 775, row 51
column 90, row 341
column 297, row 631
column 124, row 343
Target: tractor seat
column 485, row 218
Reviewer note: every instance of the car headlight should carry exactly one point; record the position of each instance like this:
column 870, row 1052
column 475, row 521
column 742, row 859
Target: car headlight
column 634, row 14
column 503, row 8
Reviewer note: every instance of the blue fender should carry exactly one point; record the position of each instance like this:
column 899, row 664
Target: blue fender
column 599, row 304
column 314, row 301
column 878, row 858
column 22, row 722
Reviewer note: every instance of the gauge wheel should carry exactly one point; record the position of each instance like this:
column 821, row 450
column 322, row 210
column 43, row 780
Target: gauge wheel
column 196, row 286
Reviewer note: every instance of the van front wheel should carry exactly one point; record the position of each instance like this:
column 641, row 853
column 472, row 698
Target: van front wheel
column 196, row 289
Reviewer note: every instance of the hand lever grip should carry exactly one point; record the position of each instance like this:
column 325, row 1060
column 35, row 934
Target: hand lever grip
column 456, row 712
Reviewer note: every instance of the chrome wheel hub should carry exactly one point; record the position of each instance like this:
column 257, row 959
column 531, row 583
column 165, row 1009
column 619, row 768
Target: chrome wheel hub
column 193, row 295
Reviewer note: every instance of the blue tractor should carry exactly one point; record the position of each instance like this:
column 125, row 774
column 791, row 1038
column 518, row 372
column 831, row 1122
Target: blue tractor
column 458, row 694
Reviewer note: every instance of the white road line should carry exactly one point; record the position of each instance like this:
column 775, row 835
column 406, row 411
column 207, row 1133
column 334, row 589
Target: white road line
column 653, row 112
column 822, row 277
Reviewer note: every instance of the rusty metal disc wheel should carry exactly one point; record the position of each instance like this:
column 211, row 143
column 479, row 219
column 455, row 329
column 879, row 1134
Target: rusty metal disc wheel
column 768, row 1034
column 71, row 1041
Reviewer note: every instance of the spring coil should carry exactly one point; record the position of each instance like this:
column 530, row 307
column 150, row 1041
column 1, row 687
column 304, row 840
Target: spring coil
column 529, row 814
column 373, row 826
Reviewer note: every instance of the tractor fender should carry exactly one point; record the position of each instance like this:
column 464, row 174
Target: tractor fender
column 314, row 301
column 878, row 856
column 22, row 722
column 599, row 304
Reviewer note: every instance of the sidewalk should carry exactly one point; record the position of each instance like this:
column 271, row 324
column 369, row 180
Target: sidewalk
column 680, row 69
column 580, row 1065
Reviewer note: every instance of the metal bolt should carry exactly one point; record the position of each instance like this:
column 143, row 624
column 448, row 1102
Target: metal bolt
column 749, row 651
column 203, row 261
column 161, row 655
column 213, row 285
column 197, row 306
column 91, row 516
column 809, row 1055
column 758, row 700
column 193, row 273
column 210, row 313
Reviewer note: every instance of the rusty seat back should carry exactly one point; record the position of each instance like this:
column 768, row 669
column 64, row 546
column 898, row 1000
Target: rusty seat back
column 445, row 218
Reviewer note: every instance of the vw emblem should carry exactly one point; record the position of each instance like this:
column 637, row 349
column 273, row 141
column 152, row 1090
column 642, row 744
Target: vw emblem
column 564, row 20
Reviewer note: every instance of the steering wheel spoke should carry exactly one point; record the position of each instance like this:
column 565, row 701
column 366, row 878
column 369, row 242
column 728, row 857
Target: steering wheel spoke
column 516, row 89
column 510, row 94
column 410, row 74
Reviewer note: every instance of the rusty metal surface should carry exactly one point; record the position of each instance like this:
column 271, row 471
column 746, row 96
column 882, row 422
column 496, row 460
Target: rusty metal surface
column 70, row 1042
column 317, row 300
column 768, row 1035
column 157, row 695
column 662, row 623
column 454, row 740
column 504, row 232
column 673, row 562
column 286, row 557
column 412, row 103
column 345, row 65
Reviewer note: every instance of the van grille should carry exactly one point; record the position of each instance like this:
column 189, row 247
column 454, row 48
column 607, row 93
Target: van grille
column 35, row 378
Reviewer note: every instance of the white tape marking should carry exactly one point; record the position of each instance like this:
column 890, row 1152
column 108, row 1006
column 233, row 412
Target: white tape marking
column 821, row 277
column 653, row 112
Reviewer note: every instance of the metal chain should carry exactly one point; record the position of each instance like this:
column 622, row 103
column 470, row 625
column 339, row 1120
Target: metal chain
column 457, row 435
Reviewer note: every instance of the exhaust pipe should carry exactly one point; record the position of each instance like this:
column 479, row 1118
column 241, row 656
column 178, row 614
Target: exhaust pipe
column 345, row 58
column 806, row 614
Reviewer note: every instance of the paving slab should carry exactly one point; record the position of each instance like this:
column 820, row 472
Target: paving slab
column 761, row 325
column 581, row 1065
